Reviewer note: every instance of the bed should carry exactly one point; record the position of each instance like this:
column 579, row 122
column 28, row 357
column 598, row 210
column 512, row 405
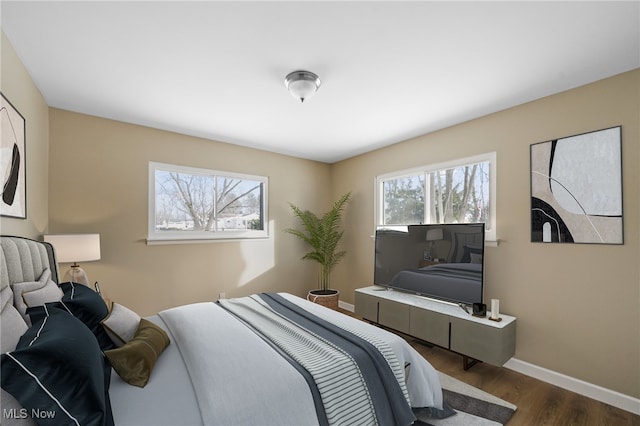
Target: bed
column 264, row 359
column 451, row 281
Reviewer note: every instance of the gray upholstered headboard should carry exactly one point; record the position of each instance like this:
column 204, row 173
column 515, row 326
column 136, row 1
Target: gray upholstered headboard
column 23, row 259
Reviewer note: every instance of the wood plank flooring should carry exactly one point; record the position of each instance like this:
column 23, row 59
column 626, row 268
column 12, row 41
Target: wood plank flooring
column 539, row 403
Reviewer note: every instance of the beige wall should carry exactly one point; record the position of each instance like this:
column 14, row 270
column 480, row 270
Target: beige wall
column 19, row 89
column 99, row 184
column 578, row 306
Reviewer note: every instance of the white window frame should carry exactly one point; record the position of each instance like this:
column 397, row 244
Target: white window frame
column 491, row 158
column 173, row 237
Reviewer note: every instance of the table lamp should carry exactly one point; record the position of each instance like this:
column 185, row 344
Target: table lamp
column 433, row 235
column 74, row 248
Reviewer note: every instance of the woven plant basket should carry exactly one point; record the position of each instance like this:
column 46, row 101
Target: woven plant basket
column 326, row 298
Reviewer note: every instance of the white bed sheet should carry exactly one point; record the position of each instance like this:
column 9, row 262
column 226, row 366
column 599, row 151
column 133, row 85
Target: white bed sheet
column 238, row 377
column 170, row 399
column 167, row 399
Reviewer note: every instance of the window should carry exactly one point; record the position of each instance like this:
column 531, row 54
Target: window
column 460, row 191
column 187, row 203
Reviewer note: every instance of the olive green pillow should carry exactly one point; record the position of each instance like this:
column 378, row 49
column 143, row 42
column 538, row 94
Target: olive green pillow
column 135, row 360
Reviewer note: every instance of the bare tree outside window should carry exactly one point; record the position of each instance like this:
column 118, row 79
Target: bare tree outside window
column 206, row 201
column 458, row 194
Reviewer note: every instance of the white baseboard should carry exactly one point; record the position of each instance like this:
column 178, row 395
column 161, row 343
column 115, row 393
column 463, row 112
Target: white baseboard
column 346, row 306
column 608, row 396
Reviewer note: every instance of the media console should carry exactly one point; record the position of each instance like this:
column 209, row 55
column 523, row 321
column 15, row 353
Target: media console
column 440, row 323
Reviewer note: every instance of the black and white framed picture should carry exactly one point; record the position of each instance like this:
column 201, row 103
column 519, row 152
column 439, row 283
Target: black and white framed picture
column 13, row 200
column 576, row 189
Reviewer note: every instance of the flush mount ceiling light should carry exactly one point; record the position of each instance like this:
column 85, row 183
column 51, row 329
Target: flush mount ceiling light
column 302, row 84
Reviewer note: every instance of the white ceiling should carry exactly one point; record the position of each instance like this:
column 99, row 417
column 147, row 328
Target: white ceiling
column 390, row 70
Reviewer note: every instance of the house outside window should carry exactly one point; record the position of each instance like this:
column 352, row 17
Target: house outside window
column 188, row 203
column 459, row 191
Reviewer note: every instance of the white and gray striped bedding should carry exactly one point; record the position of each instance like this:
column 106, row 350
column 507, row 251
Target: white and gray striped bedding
column 356, row 382
column 240, row 379
column 341, row 385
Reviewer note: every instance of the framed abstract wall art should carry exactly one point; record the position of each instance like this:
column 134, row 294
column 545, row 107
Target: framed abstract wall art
column 13, row 199
column 576, row 189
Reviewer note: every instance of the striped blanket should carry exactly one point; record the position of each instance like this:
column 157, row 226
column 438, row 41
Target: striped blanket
column 358, row 381
column 276, row 359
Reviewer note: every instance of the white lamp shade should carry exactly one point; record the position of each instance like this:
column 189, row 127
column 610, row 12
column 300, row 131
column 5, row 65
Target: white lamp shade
column 434, row 234
column 75, row 247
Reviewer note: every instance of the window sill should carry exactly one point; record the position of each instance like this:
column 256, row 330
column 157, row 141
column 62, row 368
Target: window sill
column 167, row 241
column 491, row 243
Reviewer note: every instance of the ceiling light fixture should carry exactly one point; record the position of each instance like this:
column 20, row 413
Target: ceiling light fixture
column 302, row 84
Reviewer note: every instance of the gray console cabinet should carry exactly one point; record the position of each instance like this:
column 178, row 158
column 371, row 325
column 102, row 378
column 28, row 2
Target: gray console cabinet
column 394, row 315
column 442, row 324
column 430, row 326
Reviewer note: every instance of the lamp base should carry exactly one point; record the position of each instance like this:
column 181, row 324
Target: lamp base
column 76, row 275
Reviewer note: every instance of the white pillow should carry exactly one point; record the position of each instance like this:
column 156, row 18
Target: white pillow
column 40, row 292
column 6, row 296
column 12, row 327
column 121, row 324
column 49, row 293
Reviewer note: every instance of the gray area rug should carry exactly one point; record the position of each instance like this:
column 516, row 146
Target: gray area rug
column 472, row 405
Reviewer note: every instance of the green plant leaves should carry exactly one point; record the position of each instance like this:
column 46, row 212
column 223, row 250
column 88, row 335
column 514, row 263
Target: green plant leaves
column 323, row 234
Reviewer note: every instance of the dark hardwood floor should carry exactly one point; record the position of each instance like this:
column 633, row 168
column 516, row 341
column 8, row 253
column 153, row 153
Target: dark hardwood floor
column 539, row 403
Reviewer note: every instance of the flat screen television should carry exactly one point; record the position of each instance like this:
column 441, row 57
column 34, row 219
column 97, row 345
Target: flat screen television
column 443, row 261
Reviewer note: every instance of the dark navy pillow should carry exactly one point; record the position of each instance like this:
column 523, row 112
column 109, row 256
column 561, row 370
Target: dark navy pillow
column 89, row 307
column 471, row 252
column 58, row 372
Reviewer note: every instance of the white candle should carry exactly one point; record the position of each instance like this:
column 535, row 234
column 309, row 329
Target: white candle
column 495, row 309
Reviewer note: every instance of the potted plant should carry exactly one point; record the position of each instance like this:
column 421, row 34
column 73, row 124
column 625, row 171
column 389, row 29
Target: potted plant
column 323, row 235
